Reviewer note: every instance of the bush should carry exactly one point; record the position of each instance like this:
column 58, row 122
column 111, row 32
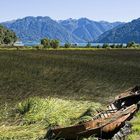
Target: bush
column 67, row 45
column 98, row 46
column 105, row 46
column 131, row 45
column 38, row 47
column 45, row 42
column 54, row 44
column 88, row 45
column 113, row 46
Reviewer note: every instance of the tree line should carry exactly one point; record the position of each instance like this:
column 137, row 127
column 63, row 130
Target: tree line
column 50, row 43
column 128, row 45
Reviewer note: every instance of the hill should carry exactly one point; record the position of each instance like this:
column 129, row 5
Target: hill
column 72, row 30
column 122, row 34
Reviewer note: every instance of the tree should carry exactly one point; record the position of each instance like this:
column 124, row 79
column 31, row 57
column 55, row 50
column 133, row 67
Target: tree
column 67, row 45
column 113, row 46
column 7, row 36
column 88, row 45
column 45, row 42
column 131, row 44
column 121, row 46
column 7, row 40
column 105, row 46
column 54, row 44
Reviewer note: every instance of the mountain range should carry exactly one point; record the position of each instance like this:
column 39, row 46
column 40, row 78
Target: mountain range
column 122, row 34
column 75, row 30
column 70, row 30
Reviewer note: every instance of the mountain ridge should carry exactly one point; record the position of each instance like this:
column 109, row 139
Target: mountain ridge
column 122, row 34
column 71, row 30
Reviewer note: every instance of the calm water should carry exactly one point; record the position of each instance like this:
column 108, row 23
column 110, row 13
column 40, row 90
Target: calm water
column 34, row 43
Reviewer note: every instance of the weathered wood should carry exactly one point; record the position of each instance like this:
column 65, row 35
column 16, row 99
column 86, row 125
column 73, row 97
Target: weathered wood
column 105, row 122
column 104, row 125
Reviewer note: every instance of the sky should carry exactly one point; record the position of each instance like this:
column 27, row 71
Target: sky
column 107, row 10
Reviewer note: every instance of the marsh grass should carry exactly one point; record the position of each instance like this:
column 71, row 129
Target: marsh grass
column 35, row 115
column 52, row 111
column 60, row 79
column 79, row 74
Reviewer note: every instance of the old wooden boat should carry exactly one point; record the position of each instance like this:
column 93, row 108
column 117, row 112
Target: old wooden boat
column 109, row 126
column 127, row 98
column 97, row 127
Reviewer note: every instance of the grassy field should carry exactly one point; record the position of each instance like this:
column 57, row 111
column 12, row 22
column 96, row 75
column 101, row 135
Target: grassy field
column 34, row 81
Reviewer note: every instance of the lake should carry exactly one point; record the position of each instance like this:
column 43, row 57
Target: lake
column 35, row 43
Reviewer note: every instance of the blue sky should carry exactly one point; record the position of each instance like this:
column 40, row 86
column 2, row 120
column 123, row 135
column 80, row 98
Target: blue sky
column 109, row 10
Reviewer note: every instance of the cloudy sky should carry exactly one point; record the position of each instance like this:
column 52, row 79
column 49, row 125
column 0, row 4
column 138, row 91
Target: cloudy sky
column 109, row 10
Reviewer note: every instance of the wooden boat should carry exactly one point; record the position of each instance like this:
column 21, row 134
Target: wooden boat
column 130, row 92
column 96, row 127
column 126, row 99
column 129, row 97
column 109, row 126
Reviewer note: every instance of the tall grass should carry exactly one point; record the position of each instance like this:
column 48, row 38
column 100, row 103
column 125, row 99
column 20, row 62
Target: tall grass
column 78, row 74
column 35, row 115
column 52, row 111
column 62, row 82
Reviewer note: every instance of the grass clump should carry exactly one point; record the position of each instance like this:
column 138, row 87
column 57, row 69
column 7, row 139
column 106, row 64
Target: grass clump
column 53, row 111
column 36, row 114
column 135, row 128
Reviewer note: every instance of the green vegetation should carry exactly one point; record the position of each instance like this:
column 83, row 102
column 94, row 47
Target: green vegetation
column 7, row 36
column 31, row 117
column 47, row 43
column 64, row 86
column 52, row 110
column 67, row 45
column 119, row 46
column 135, row 128
column 88, row 45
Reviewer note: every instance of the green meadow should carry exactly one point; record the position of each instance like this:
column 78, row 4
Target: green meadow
column 42, row 88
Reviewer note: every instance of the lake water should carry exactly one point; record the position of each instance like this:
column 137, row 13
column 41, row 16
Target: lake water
column 35, row 43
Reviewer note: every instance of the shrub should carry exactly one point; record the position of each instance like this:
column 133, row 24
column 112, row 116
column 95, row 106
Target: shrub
column 38, row 47
column 45, row 42
column 113, row 46
column 130, row 45
column 105, row 46
column 88, row 45
column 67, row 45
column 54, row 44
